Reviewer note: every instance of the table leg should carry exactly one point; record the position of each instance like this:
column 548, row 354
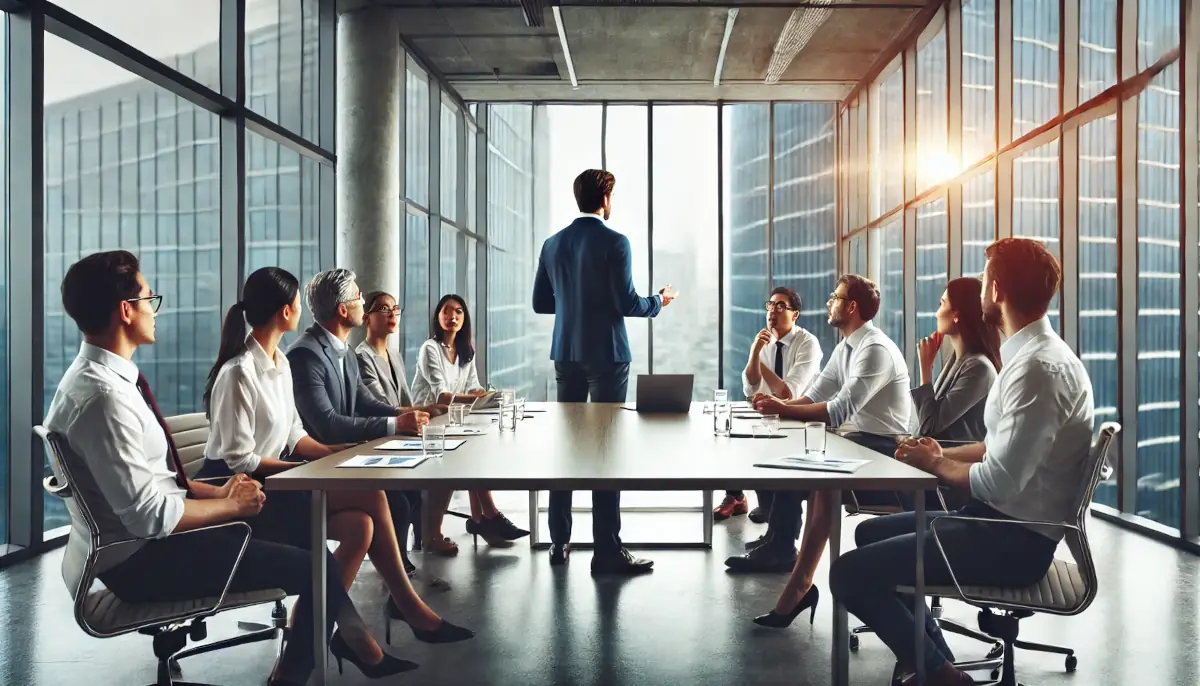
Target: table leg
column 919, row 596
column 707, row 504
column 321, row 662
column 841, row 630
column 533, row 520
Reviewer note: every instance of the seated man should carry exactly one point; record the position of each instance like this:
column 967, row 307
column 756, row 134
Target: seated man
column 1029, row 467
column 784, row 359
column 105, row 412
column 864, row 382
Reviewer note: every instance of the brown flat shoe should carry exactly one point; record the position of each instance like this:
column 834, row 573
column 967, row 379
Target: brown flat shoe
column 444, row 547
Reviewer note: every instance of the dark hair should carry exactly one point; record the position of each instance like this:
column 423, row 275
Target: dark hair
column 95, row 287
column 862, row 292
column 1027, row 272
column 463, row 345
column 978, row 336
column 591, row 187
column 793, row 297
column 370, row 298
column 265, row 293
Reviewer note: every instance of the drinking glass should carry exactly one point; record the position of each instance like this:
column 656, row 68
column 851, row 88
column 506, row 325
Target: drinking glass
column 722, row 420
column 770, row 424
column 519, row 409
column 458, row 414
column 433, row 440
column 507, row 397
column 720, row 396
column 814, row 439
column 508, row 416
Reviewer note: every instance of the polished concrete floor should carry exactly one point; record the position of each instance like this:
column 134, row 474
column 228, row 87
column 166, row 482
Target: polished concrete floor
column 687, row 623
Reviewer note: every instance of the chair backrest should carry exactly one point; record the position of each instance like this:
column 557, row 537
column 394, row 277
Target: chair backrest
column 1098, row 469
column 190, row 434
column 93, row 522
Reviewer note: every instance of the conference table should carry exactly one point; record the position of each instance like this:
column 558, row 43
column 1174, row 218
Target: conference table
column 598, row 446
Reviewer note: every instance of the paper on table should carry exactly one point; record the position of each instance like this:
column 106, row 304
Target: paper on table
column 466, row 430
column 401, row 461
column 828, row 464
column 413, row 444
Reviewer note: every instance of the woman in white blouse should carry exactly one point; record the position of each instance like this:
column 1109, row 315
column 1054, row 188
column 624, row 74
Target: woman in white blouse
column 254, row 424
column 446, row 374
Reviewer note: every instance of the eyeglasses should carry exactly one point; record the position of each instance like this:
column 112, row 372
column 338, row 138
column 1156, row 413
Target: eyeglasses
column 155, row 301
column 384, row 309
column 778, row 306
column 835, row 296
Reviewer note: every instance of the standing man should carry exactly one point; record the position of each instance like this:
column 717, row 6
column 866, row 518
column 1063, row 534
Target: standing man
column 585, row 279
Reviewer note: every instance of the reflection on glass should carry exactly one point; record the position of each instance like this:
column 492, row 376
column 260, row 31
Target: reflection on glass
column 857, row 264
column 1158, row 297
column 1097, row 47
column 574, row 145
column 1158, row 30
column 887, row 256
column 1098, row 272
column 472, row 178
column 129, row 165
column 979, row 221
column 414, row 323
column 979, row 80
column 627, row 156
column 449, row 163
column 1035, row 203
column 416, row 128
column 1035, row 64
column 933, row 163
column 932, row 270
column 448, row 264
column 747, row 142
column 887, row 156
column 282, row 60
column 517, row 349
column 685, row 241
column 804, row 236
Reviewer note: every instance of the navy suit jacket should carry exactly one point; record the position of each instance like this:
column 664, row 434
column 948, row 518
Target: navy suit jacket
column 332, row 411
column 585, row 279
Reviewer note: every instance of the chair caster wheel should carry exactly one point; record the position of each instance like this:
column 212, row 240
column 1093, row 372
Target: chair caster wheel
column 853, row 642
column 1072, row 663
column 996, row 651
column 176, row 670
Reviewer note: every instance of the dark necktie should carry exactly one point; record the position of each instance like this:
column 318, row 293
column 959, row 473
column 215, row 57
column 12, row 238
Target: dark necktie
column 779, row 359
column 176, row 464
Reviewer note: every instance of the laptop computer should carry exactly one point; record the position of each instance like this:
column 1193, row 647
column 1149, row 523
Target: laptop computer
column 663, row 393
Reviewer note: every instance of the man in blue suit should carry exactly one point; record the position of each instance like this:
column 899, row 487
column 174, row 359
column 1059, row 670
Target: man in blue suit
column 585, row 279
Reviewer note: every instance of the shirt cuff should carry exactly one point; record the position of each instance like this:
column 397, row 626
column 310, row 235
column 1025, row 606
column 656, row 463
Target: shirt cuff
column 391, row 426
column 172, row 514
column 975, row 481
column 836, row 411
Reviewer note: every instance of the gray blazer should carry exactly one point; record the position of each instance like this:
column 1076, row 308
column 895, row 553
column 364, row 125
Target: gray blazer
column 333, row 412
column 378, row 373
column 951, row 408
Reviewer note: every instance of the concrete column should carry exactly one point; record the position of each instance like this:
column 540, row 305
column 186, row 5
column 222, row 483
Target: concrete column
column 370, row 95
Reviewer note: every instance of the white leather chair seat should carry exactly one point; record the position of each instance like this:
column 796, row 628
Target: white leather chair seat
column 1062, row 590
column 108, row 615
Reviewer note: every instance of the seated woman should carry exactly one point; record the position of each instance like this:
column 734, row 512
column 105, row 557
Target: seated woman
column 446, row 374
column 254, row 422
column 950, row 408
column 383, row 375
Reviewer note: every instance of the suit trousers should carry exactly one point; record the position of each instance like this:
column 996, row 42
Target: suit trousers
column 601, row 382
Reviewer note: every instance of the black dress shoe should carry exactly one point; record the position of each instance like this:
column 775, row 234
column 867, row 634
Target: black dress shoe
column 758, row 542
column 767, row 558
column 559, row 554
column 759, row 515
column 622, row 562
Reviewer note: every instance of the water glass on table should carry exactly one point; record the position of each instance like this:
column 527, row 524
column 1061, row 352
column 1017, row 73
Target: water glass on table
column 458, row 414
column 519, row 409
column 508, row 416
column 433, row 440
column 770, row 424
column 722, row 413
column 814, row 439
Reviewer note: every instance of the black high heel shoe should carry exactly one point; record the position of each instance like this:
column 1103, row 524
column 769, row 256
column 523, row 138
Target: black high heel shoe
column 388, row 666
column 776, row 620
column 497, row 530
column 444, row 633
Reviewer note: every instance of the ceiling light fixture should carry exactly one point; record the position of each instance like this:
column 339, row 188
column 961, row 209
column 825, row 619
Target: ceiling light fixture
column 729, row 19
column 800, row 27
column 562, row 40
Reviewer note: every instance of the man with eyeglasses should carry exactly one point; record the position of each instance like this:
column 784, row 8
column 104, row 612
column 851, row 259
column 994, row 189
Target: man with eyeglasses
column 783, row 360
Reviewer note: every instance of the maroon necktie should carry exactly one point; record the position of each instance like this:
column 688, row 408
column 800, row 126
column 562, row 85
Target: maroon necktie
column 176, row 463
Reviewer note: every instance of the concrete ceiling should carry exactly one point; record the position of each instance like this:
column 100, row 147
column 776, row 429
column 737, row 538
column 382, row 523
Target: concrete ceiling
column 643, row 49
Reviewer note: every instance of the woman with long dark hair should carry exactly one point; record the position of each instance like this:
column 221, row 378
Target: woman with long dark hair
column 254, row 424
column 445, row 375
column 950, row 407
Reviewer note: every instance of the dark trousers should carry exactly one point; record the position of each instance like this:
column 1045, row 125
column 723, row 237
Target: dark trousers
column 764, row 498
column 405, row 508
column 985, row 554
column 886, row 445
column 197, row 565
column 601, row 382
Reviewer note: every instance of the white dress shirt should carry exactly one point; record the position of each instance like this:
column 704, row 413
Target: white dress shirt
column 1039, row 430
column 106, row 422
column 865, row 382
column 801, row 362
column 252, row 410
column 437, row 375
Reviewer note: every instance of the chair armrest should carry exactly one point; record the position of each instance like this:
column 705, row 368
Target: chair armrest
column 987, row 520
column 210, row 479
column 51, row 485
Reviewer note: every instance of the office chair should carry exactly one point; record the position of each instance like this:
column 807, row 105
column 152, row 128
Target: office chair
column 98, row 611
column 1067, row 589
